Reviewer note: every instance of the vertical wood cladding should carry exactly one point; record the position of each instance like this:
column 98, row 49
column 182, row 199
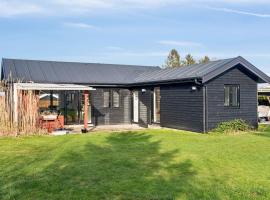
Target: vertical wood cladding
column 111, row 115
column 145, row 106
column 181, row 107
column 216, row 111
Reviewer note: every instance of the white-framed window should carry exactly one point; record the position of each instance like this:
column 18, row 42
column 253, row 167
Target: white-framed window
column 232, row 96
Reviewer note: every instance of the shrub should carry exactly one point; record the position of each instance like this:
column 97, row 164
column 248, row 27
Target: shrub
column 233, row 126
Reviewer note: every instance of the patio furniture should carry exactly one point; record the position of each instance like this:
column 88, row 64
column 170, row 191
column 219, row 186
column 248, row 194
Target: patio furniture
column 52, row 122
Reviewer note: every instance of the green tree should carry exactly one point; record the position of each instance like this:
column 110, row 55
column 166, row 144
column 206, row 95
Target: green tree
column 205, row 59
column 173, row 59
column 189, row 60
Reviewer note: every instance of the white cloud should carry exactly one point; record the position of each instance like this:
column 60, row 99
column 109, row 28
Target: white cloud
column 14, row 8
column 147, row 3
column 262, row 15
column 79, row 25
column 78, row 7
column 180, row 43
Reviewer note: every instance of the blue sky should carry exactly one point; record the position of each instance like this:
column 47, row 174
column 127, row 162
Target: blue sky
column 135, row 31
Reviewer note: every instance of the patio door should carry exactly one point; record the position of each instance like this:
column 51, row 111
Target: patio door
column 135, row 106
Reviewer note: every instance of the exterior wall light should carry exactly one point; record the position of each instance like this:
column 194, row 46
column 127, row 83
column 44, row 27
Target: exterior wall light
column 143, row 90
column 193, row 88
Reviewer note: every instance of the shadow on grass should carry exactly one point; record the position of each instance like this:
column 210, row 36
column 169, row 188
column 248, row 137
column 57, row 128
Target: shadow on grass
column 127, row 166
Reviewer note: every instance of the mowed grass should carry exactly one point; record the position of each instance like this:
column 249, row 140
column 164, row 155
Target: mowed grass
column 146, row 164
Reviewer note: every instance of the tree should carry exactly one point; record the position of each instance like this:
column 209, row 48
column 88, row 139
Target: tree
column 173, row 59
column 189, row 60
column 205, row 59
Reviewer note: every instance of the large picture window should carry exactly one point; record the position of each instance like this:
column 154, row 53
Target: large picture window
column 232, row 96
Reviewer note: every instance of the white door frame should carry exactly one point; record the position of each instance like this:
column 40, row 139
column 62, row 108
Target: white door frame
column 155, row 104
column 135, row 106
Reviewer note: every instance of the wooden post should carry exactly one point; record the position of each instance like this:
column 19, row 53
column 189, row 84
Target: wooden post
column 86, row 99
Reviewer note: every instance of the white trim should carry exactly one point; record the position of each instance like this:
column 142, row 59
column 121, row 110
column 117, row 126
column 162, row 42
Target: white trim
column 15, row 103
column 154, row 106
column 48, row 86
column 136, row 106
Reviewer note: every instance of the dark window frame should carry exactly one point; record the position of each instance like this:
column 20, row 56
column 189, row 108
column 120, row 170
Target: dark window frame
column 230, row 105
column 111, row 99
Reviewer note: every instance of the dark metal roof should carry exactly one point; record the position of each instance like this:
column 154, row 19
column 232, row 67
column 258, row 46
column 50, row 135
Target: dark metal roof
column 203, row 72
column 70, row 72
column 92, row 73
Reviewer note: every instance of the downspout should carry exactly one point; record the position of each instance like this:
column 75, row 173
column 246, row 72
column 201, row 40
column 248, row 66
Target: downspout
column 205, row 109
column 205, row 127
column 197, row 82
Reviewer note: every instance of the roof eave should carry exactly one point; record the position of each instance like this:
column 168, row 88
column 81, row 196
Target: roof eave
column 197, row 80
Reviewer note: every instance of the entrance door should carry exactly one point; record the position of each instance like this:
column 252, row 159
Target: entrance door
column 135, row 106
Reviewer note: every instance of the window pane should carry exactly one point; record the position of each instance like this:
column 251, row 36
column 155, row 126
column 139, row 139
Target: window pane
column 106, row 100
column 116, row 99
column 227, row 96
column 231, row 96
column 234, row 91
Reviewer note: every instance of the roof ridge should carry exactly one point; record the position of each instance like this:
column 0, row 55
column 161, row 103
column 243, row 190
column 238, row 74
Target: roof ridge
column 77, row 62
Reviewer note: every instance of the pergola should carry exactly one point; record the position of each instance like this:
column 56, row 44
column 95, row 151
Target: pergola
column 52, row 87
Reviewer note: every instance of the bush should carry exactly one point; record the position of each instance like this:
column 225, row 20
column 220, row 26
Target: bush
column 233, row 126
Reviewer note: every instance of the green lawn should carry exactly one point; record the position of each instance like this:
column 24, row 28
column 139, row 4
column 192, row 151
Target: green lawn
column 148, row 164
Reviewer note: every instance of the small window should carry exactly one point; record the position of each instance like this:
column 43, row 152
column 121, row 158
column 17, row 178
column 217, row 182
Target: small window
column 106, row 99
column 116, row 99
column 232, row 96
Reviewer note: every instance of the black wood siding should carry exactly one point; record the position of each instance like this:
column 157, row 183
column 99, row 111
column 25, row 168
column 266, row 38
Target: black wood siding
column 145, row 106
column 110, row 115
column 216, row 111
column 181, row 108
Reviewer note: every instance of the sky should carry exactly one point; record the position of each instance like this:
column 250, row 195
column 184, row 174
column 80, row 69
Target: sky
column 136, row 32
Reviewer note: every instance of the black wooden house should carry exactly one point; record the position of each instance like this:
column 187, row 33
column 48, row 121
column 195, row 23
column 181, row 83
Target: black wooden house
column 196, row 97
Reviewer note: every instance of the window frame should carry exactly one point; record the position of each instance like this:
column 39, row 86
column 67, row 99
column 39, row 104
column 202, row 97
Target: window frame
column 109, row 99
column 230, row 105
column 155, row 120
column 112, row 97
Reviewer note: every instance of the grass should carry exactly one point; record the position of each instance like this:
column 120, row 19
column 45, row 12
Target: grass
column 147, row 164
